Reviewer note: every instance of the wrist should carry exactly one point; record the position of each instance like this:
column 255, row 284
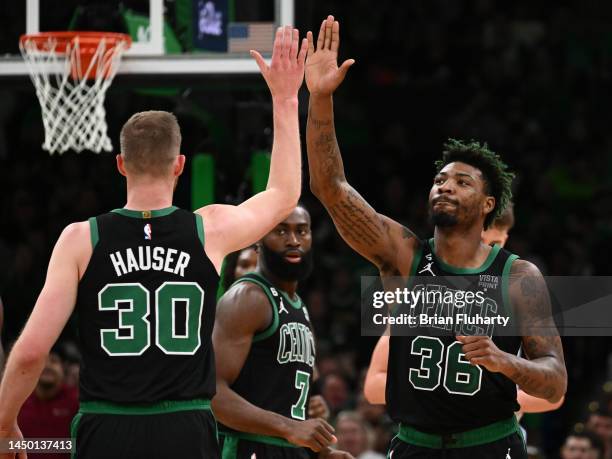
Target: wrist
column 285, row 428
column 321, row 95
column 285, row 101
column 507, row 367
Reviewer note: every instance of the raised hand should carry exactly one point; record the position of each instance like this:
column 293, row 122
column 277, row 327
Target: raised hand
column 323, row 75
column 285, row 74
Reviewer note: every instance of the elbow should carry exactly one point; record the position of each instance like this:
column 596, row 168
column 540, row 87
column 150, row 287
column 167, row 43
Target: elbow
column 324, row 191
column 28, row 356
column 559, row 395
column 373, row 393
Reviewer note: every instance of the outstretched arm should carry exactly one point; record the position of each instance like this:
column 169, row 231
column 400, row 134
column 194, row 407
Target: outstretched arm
column 381, row 240
column 241, row 312
column 230, row 228
column 543, row 375
column 51, row 312
column 376, row 378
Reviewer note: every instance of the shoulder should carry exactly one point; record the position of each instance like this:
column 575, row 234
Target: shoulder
column 75, row 238
column 523, row 268
column 75, row 245
column 245, row 299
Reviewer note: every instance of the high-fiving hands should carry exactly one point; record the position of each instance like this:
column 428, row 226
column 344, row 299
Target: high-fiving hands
column 323, row 75
column 285, row 74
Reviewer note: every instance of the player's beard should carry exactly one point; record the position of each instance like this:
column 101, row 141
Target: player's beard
column 276, row 263
column 442, row 219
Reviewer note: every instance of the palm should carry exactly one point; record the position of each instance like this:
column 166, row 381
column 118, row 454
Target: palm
column 323, row 75
column 322, row 71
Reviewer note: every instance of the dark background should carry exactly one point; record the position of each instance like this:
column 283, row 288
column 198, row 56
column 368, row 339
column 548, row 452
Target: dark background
column 533, row 79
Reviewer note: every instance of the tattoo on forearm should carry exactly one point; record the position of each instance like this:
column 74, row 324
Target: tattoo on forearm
column 355, row 220
column 529, row 294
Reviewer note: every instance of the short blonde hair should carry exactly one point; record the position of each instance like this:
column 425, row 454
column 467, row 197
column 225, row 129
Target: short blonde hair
column 150, row 141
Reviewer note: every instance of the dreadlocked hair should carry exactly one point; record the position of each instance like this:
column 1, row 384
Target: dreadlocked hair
column 497, row 177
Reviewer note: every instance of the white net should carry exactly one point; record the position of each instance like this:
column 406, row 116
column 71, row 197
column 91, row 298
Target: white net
column 71, row 90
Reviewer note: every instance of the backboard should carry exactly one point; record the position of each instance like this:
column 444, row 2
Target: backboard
column 170, row 37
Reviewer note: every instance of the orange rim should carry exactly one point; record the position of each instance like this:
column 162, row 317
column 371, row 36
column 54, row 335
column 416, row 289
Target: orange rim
column 88, row 41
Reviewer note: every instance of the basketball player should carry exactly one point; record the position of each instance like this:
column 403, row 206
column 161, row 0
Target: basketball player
column 465, row 409
column 265, row 353
column 142, row 280
column 376, row 377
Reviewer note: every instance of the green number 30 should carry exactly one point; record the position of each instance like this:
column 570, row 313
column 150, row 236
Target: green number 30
column 461, row 377
column 134, row 320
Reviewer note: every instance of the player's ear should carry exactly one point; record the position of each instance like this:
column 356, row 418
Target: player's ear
column 121, row 164
column 179, row 165
column 488, row 205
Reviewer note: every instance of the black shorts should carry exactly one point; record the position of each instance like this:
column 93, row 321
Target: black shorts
column 510, row 447
column 239, row 448
column 184, row 434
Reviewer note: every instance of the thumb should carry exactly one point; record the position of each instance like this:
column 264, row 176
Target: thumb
column 263, row 67
column 345, row 66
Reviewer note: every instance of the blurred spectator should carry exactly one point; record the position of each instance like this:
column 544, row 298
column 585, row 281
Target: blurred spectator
column 355, row 436
column 49, row 410
column 237, row 264
column 583, row 445
column 600, row 423
column 335, row 391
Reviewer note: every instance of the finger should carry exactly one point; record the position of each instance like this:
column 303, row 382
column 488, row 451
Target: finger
column 345, row 66
column 335, row 38
column 303, row 51
column 263, row 67
column 468, row 339
column 310, row 40
column 321, row 37
column 295, row 44
column 315, row 444
column 325, row 433
column 323, row 440
column 472, row 346
column 328, row 31
column 475, row 354
column 327, row 426
column 287, row 36
column 278, row 43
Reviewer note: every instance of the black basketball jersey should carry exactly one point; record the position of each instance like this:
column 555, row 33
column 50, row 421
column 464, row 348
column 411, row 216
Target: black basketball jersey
column 430, row 385
column 277, row 373
column 146, row 309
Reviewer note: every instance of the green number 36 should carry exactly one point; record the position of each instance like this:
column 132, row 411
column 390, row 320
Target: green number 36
column 134, row 320
column 460, row 376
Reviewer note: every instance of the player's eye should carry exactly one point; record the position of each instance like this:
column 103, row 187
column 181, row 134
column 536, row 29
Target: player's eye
column 280, row 232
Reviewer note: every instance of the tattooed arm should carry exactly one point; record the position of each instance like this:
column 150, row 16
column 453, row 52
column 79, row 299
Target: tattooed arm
column 544, row 374
column 381, row 240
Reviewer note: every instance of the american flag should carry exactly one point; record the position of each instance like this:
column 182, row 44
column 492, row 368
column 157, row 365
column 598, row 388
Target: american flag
column 244, row 36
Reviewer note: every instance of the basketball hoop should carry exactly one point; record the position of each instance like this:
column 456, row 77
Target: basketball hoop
column 71, row 72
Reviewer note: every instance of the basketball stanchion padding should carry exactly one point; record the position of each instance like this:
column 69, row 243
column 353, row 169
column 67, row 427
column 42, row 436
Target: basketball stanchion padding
column 71, row 72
